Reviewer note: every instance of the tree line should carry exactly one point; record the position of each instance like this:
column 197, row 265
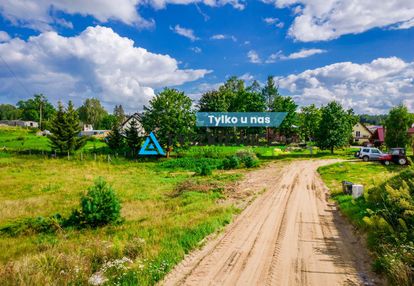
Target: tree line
column 171, row 114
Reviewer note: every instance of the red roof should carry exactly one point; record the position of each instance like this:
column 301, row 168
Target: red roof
column 380, row 132
column 411, row 130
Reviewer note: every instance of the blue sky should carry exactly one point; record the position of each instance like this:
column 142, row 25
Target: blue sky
column 123, row 52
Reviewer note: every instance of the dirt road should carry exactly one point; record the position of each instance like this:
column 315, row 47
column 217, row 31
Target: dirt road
column 290, row 235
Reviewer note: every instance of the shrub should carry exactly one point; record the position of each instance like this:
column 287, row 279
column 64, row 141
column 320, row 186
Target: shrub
column 204, row 170
column 248, row 158
column 250, row 162
column 100, row 206
column 231, row 162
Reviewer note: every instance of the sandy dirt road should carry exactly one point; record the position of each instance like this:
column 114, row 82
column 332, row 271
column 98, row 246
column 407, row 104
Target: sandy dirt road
column 290, row 235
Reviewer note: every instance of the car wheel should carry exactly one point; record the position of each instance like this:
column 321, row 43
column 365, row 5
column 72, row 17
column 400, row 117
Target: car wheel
column 386, row 163
column 365, row 158
column 402, row 161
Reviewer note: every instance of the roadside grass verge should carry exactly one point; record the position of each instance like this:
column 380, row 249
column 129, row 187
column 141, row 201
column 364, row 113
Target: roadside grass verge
column 385, row 213
column 166, row 214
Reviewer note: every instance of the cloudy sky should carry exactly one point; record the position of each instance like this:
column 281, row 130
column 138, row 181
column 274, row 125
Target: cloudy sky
column 358, row 52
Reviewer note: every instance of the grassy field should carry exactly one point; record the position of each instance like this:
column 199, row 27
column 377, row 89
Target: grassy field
column 25, row 139
column 385, row 213
column 166, row 214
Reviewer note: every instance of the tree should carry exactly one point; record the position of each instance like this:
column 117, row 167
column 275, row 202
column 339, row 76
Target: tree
column 115, row 139
column 37, row 109
column 396, row 125
column 335, row 127
column 270, row 92
column 9, row 112
column 170, row 115
column 213, row 101
column 65, row 129
column 58, row 132
column 73, row 128
column 285, row 104
column 309, row 120
column 119, row 113
column 132, row 137
column 92, row 112
column 108, row 121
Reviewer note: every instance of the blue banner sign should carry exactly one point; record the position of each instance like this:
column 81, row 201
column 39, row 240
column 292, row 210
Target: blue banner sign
column 240, row 119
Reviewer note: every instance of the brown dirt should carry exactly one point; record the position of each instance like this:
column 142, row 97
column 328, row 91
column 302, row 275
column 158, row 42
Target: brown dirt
column 290, row 235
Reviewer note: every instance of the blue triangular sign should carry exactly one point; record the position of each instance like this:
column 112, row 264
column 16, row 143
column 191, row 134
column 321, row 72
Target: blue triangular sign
column 151, row 146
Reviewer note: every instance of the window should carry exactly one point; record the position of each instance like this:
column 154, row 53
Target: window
column 375, row 151
column 358, row 133
column 365, row 150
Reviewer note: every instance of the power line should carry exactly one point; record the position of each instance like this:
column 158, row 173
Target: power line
column 14, row 75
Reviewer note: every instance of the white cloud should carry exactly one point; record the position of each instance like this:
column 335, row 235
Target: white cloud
column 41, row 14
column 4, row 37
column 372, row 87
column 254, row 57
column 237, row 4
column 274, row 21
column 98, row 63
column 196, row 50
column 187, row 33
column 223, row 37
column 317, row 20
column 246, row 77
column 303, row 53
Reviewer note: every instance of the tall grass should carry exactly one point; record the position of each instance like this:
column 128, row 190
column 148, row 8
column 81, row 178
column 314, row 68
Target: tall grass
column 160, row 226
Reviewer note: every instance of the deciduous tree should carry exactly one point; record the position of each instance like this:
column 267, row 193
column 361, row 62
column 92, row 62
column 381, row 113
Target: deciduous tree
column 335, row 127
column 396, row 125
column 170, row 115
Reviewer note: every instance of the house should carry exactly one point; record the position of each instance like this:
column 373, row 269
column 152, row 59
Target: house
column 127, row 123
column 361, row 134
column 31, row 124
column 378, row 137
column 87, row 127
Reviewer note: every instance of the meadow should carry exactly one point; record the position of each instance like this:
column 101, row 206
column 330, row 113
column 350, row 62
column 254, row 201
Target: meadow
column 160, row 224
column 168, row 207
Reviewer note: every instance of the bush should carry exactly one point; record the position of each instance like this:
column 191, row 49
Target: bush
column 248, row 158
column 99, row 207
column 231, row 162
column 204, row 170
column 250, row 162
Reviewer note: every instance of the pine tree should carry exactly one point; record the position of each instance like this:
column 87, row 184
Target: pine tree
column 115, row 140
column 132, row 137
column 65, row 130
column 119, row 113
column 58, row 130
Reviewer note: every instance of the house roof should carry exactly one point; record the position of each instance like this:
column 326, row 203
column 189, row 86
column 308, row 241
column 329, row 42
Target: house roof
column 365, row 127
column 136, row 116
column 411, row 130
column 379, row 134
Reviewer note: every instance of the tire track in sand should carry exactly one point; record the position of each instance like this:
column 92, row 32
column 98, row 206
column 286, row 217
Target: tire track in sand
column 290, row 235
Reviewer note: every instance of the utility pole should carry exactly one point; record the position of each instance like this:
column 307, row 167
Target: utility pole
column 40, row 114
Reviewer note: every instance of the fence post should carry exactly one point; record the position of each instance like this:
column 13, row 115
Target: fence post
column 68, row 156
column 94, row 156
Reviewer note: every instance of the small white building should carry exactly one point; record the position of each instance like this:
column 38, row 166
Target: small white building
column 21, row 123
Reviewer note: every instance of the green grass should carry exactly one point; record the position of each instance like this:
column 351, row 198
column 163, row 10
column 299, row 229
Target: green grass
column 24, row 139
column 162, row 223
column 384, row 212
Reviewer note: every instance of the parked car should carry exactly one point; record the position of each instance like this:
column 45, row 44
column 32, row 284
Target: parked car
column 369, row 154
column 396, row 155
